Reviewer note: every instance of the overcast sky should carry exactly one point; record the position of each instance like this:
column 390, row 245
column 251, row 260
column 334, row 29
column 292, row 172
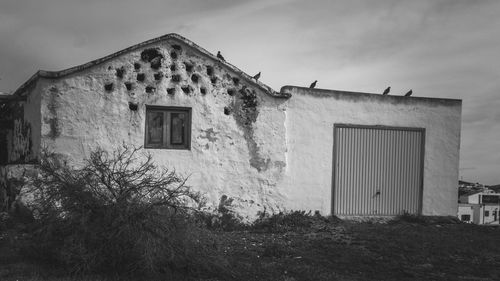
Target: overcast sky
column 447, row 49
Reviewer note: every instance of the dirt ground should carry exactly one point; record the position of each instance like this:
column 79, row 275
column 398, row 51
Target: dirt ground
column 326, row 249
column 366, row 251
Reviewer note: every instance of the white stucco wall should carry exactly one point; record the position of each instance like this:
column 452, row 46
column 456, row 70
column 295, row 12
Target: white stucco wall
column 466, row 209
column 244, row 163
column 474, row 198
column 279, row 160
column 311, row 115
column 492, row 217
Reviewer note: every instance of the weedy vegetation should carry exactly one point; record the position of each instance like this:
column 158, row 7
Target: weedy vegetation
column 117, row 213
column 118, row 216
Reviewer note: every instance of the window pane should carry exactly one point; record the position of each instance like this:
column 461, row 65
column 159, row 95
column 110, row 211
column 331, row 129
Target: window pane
column 167, row 127
column 178, row 123
column 155, row 127
column 491, row 199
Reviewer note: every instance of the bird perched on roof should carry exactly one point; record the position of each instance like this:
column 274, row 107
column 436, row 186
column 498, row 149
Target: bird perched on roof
column 313, row 84
column 256, row 76
column 220, row 56
column 386, row 91
column 409, row 93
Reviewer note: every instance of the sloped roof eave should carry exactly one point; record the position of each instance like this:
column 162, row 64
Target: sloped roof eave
column 62, row 73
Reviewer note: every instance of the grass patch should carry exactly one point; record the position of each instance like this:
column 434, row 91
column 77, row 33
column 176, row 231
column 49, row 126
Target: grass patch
column 427, row 220
column 288, row 221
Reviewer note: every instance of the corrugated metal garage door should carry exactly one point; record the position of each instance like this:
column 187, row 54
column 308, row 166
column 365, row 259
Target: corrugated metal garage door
column 377, row 170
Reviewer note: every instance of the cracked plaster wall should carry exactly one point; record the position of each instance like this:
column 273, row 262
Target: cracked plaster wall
column 237, row 135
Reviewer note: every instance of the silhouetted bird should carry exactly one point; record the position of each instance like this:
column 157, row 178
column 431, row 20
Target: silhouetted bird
column 220, row 56
column 386, row 91
column 409, row 93
column 257, row 76
column 313, row 84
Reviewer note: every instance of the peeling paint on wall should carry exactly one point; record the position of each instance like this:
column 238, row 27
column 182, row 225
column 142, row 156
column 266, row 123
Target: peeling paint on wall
column 209, row 134
column 246, row 112
column 13, row 134
column 52, row 118
column 20, row 150
column 16, row 136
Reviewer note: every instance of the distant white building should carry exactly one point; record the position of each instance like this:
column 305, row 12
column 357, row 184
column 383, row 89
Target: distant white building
column 480, row 208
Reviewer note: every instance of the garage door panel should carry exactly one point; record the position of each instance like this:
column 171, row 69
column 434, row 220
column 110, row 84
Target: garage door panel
column 377, row 171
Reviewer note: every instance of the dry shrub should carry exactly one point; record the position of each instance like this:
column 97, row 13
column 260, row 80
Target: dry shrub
column 120, row 214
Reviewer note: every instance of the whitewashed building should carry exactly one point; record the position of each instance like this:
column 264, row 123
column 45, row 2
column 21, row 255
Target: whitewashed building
column 480, row 208
column 338, row 152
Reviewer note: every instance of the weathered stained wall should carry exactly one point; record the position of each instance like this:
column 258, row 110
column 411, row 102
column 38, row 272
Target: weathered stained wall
column 19, row 128
column 19, row 140
column 311, row 114
column 237, row 135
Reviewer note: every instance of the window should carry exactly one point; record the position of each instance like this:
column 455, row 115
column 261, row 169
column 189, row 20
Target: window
column 465, row 218
column 494, row 199
column 168, row 127
column 486, row 213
